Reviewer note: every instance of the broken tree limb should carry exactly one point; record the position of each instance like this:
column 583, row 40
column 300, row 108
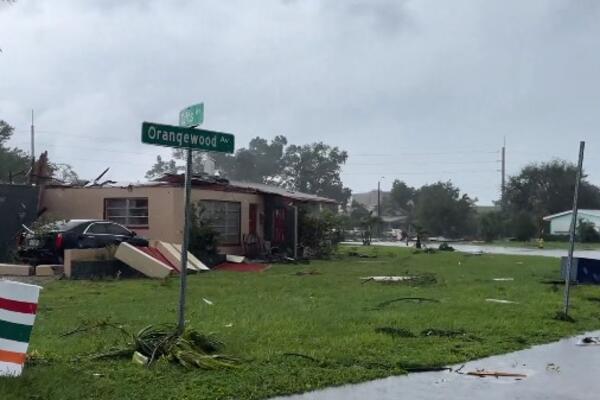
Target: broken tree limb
column 496, row 374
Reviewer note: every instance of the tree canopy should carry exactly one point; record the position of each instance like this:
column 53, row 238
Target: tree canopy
column 547, row 188
column 12, row 160
column 313, row 168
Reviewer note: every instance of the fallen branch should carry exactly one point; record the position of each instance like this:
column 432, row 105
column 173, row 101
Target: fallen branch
column 496, row 374
column 417, row 299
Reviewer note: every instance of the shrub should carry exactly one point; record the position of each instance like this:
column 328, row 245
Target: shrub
column 587, row 233
column 203, row 236
column 491, row 226
column 523, row 226
column 319, row 233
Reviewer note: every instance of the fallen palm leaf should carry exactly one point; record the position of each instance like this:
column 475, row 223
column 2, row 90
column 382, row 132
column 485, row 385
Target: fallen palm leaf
column 192, row 349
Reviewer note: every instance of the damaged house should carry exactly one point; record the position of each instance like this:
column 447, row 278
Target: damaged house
column 250, row 217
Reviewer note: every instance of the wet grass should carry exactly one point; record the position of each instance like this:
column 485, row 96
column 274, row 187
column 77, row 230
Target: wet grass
column 297, row 333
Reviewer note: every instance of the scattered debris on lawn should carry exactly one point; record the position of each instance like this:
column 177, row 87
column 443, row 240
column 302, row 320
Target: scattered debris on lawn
column 15, row 269
column 396, row 332
column 519, row 262
column 139, row 358
column 503, row 279
column 235, row 259
column 354, row 253
column 387, row 279
column 49, row 269
column 442, row 332
column 429, row 332
column 496, row 374
column 589, row 341
column 411, row 299
column 302, row 356
column 305, row 273
column 242, row 267
column 191, row 349
column 210, row 303
column 500, row 301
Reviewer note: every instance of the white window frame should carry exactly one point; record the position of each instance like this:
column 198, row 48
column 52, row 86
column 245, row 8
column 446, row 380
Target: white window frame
column 223, row 226
column 128, row 207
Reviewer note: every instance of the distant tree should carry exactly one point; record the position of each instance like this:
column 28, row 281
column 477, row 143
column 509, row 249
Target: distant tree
column 162, row 167
column 402, row 196
column 357, row 214
column 315, row 168
column 13, row 161
column 523, row 226
column 440, row 209
column 547, row 188
column 492, row 225
column 64, row 173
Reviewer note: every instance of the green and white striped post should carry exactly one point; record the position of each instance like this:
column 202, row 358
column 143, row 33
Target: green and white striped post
column 18, row 307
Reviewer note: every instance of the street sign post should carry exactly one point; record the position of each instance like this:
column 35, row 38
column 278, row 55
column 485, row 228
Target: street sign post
column 192, row 116
column 185, row 136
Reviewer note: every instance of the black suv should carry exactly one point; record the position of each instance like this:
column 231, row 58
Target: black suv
column 48, row 243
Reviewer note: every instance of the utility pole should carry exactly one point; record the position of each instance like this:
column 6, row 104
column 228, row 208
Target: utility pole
column 31, row 174
column 572, row 230
column 503, row 187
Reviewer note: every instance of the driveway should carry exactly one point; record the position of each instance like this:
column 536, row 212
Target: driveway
column 559, row 370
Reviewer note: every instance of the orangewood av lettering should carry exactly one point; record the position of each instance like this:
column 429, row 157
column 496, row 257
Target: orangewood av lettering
column 174, row 136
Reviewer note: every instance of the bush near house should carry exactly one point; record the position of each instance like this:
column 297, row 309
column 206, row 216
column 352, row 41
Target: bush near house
column 319, row 233
column 587, row 233
column 204, row 239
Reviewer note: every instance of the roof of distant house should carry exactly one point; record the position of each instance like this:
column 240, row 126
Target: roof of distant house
column 593, row 213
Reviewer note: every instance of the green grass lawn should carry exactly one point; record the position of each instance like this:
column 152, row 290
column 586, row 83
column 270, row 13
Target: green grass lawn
column 331, row 317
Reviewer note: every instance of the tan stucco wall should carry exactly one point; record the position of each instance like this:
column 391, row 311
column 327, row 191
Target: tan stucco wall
column 165, row 207
column 72, row 203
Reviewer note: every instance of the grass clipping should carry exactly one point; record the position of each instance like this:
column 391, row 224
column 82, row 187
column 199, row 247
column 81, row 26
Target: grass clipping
column 191, row 349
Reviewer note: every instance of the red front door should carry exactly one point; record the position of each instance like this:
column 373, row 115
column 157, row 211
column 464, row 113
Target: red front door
column 279, row 225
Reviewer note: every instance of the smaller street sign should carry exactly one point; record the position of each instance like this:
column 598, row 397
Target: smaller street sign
column 187, row 138
column 192, row 116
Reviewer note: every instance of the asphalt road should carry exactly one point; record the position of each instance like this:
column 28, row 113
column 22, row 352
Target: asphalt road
column 560, row 370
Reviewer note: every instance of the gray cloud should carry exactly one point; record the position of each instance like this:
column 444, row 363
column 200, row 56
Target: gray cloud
column 416, row 90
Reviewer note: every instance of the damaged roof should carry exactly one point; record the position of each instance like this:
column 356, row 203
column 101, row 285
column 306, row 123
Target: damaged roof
column 210, row 182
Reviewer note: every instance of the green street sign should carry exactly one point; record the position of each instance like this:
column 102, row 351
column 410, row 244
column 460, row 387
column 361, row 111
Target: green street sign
column 187, row 138
column 192, row 115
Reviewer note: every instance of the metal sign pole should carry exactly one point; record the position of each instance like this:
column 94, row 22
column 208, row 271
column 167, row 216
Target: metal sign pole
column 572, row 230
column 186, row 242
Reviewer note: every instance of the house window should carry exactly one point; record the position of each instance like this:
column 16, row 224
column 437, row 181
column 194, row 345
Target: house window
column 127, row 212
column 225, row 217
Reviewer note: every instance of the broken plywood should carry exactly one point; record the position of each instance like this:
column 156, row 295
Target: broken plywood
column 191, row 258
column 172, row 254
column 235, row 259
column 49, row 269
column 142, row 262
column 71, row 255
column 15, row 269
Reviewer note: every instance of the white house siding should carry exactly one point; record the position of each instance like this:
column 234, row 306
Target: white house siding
column 560, row 225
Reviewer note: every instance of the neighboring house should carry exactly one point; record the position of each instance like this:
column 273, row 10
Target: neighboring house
column 560, row 223
column 247, row 215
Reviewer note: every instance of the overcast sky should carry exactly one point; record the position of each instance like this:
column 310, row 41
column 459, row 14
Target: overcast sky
column 416, row 90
